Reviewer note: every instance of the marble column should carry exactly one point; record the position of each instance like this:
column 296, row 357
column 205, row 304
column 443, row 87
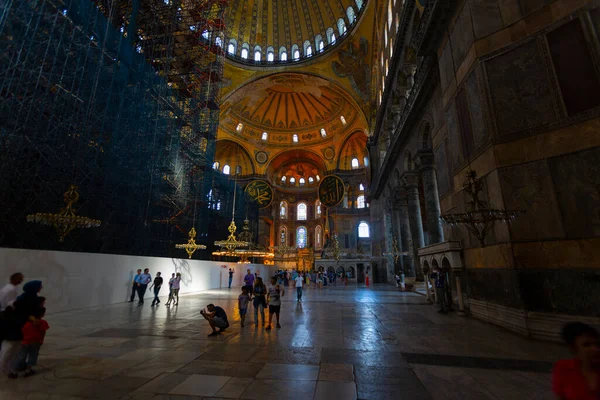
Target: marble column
column 388, row 238
column 432, row 198
column 411, row 186
column 404, row 240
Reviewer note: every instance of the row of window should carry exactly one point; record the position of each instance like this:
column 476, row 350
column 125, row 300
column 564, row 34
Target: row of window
column 232, row 47
column 240, row 127
column 301, row 181
column 302, row 235
column 388, row 52
column 302, row 208
column 227, row 169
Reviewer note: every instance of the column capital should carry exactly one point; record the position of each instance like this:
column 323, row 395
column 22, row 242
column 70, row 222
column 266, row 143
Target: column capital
column 410, row 180
column 400, row 197
column 424, row 159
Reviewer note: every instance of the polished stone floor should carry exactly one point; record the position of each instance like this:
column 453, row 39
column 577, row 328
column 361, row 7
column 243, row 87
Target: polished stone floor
column 340, row 343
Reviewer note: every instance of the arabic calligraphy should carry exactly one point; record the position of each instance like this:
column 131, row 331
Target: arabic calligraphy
column 331, row 191
column 261, row 192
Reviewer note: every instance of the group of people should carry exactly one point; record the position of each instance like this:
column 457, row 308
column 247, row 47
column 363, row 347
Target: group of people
column 142, row 280
column 22, row 326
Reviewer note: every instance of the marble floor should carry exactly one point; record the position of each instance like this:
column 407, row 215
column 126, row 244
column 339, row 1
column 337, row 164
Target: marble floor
column 340, row 343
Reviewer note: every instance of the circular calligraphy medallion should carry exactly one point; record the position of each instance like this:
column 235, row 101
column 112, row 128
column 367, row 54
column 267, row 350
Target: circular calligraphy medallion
column 331, row 191
column 261, row 192
column 261, row 157
column 329, row 153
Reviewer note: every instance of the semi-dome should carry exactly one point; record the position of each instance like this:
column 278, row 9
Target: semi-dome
column 286, row 31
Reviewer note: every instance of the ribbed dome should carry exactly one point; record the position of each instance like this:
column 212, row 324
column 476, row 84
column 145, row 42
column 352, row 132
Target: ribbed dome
column 275, row 31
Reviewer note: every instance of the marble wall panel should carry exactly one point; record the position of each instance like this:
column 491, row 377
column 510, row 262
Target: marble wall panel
column 500, row 286
column 456, row 155
column 576, row 179
column 510, row 10
column 462, row 35
column 520, row 89
column 478, row 127
column 487, row 18
column 529, row 6
column 446, row 66
column 565, row 291
column 529, row 187
column 441, row 167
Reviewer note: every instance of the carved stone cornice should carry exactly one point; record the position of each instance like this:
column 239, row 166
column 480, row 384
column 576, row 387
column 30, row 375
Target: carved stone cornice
column 432, row 26
column 425, row 160
column 410, row 180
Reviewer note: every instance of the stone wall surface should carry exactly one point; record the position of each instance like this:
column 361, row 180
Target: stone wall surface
column 81, row 280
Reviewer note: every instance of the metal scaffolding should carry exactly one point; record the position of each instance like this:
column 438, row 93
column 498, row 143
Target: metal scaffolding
column 120, row 98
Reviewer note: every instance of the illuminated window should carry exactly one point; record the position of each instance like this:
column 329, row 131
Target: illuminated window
column 244, row 53
column 351, row 15
column 333, row 38
column 386, row 70
column 295, row 138
column 205, row 34
column 283, row 209
column 317, row 209
column 283, row 178
column 385, row 37
column 270, row 57
column 355, row 163
column 318, row 178
column 390, row 15
column 239, row 127
column 301, row 212
column 360, row 201
column 231, row 48
column 296, row 54
column 216, row 165
column 257, row 55
column 359, row 4
column 361, row 187
column 308, row 51
column 318, row 237
column 238, row 170
column 341, row 26
column 343, row 120
column 397, row 22
column 330, row 35
column 363, row 230
column 310, row 179
column 264, row 136
column 226, row 169
column 292, row 181
column 323, row 132
column 301, row 181
column 218, row 42
column 391, row 47
column 283, row 56
column 301, row 237
column 320, row 45
column 366, row 160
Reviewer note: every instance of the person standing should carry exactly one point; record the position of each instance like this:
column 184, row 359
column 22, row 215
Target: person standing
column 440, row 289
column 9, row 293
column 243, row 301
column 33, row 332
column 274, row 302
column 157, row 284
column 259, row 301
column 299, row 283
column 170, row 289
column 175, row 286
column 230, row 277
column 145, row 280
column 249, row 281
column 578, row 378
column 286, row 279
column 136, row 284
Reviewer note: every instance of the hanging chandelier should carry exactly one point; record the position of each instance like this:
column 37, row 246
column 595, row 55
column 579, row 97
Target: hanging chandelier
column 190, row 247
column 479, row 219
column 229, row 245
column 65, row 220
column 253, row 250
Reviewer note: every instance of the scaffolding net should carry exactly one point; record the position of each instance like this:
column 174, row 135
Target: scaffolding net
column 121, row 99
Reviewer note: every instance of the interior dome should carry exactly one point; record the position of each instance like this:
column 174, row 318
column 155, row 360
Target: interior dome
column 285, row 31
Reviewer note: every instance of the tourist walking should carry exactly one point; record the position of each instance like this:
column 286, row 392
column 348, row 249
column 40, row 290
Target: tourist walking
column 299, row 284
column 144, row 281
column 243, row 301
column 249, row 281
column 578, row 378
column 170, row 289
column 9, row 293
column 175, row 286
column 274, row 302
column 216, row 317
column 33, row 333
column 230, row 277
column 136, row 284
column 259, row 301
column 157, row 284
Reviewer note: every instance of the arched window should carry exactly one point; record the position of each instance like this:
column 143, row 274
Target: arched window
column 295, row 138
column 226, row 169
column 310, row 179
column 264, row 136
column 270, row 54
column 216, row 165
column 319, row 44
column 283, row 235
column 245, row 50
column 301, row 181
column 282, row 54
column 231, row 47
column 205, row 34
column 330, row 35
column 292, row 181
column 360, row 201
column 343, row 120
column 257, row 53
column 323, row 132
column 283, row 178
column 387, row 69
column 239, row 127
column 317, row 209
column 218, row 42
column 351, row 15
column 366, row 160
column 355, row 164
column 341, row 26
column 363, row 230
column 301, row 211
column 397, row 22
column 359, row 4
column 295, row 52
column 238, row 170
column 390, row 15
column 307, row 49
column 318, row 237
column 301, row 237
column 283, row 209
column 385, row 37
column 318, row 178
column 361, row 187
column 391, row 47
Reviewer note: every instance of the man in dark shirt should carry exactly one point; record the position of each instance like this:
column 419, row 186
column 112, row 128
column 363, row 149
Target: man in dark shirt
column 216, row 317
column 249, row 282
column 158, row 281
column 230, row 277
column 440, row 289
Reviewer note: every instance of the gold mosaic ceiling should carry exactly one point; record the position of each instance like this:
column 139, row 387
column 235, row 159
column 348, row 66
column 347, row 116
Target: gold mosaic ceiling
column 287, row 104
column 277, row 23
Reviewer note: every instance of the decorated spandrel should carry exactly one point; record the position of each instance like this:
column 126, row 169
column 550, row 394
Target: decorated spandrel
column 331, row 191
column 261, row 192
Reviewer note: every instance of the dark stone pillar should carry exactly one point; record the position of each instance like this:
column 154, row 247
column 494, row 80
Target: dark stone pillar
column 411, row 186
column 432, row 198
column 404, row 240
